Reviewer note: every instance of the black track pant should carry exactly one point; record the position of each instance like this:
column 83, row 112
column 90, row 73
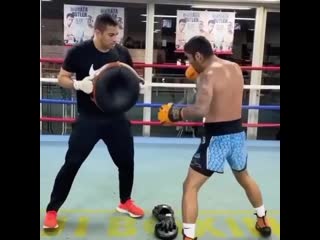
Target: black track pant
column 86, row 132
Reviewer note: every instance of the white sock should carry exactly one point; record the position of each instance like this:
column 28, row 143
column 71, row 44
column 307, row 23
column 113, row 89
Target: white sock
column 261, row 212
column 189, row 230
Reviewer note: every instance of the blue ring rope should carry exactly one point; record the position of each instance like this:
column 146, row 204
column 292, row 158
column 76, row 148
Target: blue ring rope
column 156, row 105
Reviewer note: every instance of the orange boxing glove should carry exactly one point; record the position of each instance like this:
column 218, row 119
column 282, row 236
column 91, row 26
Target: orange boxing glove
column 168, row 113
column 191, row 73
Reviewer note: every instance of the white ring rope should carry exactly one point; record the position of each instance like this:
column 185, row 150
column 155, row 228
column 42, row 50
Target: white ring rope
column 181, row 85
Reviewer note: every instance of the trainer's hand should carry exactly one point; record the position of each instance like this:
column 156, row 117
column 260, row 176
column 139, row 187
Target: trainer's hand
column 86, row 85
column 168, row 113
column 191, row 73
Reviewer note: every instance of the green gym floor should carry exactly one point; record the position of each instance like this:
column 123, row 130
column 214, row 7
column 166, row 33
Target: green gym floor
column 160, row 167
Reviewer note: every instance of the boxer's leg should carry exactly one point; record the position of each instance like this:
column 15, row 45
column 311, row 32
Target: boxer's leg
column 238, row 163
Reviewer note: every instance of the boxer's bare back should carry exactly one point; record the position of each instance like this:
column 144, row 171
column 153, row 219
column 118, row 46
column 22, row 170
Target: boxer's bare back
column 223, row 81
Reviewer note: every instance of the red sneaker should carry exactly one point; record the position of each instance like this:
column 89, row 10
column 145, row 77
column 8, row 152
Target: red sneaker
column 130, row 208
column 50, row 220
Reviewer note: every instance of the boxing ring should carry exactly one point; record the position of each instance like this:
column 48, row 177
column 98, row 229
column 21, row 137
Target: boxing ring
column 160, row 167
column 149, row 85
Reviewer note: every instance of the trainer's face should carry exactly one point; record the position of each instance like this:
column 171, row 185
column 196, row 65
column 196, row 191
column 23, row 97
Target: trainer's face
column 196, row 61
column 108, row 37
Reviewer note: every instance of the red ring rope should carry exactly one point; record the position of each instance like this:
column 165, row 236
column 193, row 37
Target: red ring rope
column 157, row 123
column 142, row 65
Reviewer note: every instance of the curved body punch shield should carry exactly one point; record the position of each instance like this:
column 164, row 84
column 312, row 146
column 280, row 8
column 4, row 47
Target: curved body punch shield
column 116, row 88
column 166, row 227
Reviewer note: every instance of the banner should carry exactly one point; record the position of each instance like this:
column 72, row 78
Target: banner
column 79, row 21
column 217, row 27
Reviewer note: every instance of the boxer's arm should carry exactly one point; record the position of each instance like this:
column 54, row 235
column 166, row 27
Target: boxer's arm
column 203, row 99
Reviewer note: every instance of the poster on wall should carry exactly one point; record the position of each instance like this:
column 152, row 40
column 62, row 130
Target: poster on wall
column 79, row 21
column 217, row 27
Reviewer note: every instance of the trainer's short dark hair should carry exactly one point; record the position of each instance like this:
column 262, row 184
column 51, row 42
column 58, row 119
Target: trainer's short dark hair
column 199, row 44
column 103, row 20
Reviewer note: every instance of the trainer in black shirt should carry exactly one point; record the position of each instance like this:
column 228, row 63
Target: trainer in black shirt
column 92, row 124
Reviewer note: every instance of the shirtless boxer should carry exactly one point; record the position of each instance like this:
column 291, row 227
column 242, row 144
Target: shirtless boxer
column 219, row 101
